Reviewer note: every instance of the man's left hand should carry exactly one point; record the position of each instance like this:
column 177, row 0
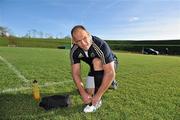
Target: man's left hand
column 95, row 99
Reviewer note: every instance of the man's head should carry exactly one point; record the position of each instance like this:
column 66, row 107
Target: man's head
column 81, row 37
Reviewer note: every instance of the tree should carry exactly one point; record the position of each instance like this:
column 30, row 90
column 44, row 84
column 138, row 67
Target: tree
column 4, row 31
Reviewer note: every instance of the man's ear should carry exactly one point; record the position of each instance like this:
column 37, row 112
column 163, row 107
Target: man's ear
column 72, row 41
column 88, row 33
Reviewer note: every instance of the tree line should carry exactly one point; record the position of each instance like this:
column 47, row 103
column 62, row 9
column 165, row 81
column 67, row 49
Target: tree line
column 32, row 33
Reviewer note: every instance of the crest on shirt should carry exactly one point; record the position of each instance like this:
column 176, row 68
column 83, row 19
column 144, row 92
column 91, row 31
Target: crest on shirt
column 92, row 55
column 80, row 55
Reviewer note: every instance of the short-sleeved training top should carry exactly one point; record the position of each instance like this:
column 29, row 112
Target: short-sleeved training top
column 99, row 49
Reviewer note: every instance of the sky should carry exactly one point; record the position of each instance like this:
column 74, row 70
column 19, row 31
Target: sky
column 107, row 19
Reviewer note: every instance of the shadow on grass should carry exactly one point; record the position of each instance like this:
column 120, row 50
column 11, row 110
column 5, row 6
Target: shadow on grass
column 23, row 106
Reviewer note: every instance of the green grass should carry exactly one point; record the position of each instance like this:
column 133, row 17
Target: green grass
column 3, row 41
column 149, row 86
column 43, row 43
column 35, row 42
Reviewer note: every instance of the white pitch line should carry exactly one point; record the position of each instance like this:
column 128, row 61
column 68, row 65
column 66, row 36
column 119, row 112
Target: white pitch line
column 14, row 69
column 27, row 88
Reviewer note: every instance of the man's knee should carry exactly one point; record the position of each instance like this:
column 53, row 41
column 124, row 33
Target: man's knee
column 97, row 64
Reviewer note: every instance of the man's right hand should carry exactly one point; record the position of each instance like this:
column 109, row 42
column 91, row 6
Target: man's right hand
column 86, row 98
column 77, row 78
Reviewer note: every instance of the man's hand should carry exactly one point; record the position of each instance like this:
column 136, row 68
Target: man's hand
column 77, row 79
column 86, row 98
column 95, row 99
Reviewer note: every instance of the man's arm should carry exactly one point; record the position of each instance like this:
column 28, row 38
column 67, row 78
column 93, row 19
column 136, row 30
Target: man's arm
column 109, row 75
column 78, row 81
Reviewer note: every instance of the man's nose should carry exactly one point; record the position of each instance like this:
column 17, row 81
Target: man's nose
column 83, row 42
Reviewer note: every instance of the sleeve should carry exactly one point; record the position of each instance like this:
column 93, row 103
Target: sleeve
column 74, row 57
column 108, row 55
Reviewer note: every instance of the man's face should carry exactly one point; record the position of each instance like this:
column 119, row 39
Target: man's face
column 82, row 39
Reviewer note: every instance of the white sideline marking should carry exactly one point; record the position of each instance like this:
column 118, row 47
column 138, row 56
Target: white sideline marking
column 14, row 69
column 27, row 88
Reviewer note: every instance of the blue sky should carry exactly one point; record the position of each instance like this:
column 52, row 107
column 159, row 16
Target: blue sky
column 107, row 19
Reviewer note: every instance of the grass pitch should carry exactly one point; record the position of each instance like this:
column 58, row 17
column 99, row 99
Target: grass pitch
column 149, row 86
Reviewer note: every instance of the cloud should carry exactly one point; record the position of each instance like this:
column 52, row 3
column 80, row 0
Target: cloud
column 132, row 19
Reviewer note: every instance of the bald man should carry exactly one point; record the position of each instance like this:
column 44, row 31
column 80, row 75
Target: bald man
column 98, row 55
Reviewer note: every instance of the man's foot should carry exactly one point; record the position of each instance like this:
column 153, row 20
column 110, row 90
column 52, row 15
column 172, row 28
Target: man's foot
column 92, row 108
column 114, row 85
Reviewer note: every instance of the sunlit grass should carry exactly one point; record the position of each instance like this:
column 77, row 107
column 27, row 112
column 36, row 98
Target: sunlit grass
column 149, row 86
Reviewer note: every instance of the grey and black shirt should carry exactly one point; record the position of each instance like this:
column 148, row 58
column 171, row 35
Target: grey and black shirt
column 99, row 49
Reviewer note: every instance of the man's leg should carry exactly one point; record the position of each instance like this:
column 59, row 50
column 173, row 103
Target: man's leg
column 114, row 83
column 90, row 88
column 98, row 73
column 90, row 85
